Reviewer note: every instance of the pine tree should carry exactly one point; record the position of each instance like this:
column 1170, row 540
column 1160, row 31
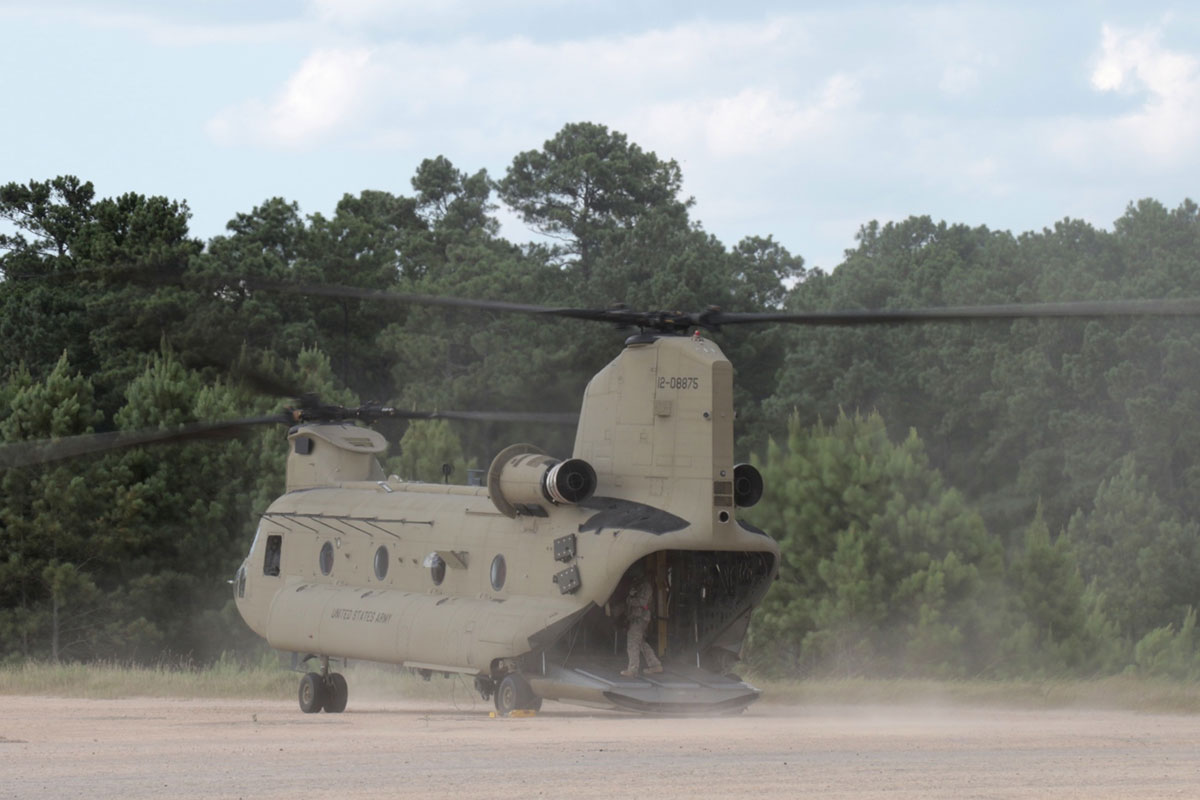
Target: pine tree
column 884, row 570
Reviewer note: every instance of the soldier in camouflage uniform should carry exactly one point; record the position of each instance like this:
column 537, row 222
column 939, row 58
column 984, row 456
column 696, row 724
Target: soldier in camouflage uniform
column 637, row 615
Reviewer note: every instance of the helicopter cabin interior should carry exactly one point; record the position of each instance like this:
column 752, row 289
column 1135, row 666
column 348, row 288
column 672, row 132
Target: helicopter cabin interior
column 699, row 614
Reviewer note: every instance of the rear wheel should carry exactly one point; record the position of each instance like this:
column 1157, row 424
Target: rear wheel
column 312, row 693
column 514, row 694
column 337, row 692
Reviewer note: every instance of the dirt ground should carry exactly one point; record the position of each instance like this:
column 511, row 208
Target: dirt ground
column 152, row 748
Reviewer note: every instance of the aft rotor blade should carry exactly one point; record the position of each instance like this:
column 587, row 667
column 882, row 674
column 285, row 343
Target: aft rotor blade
column 42, row 451
column 1088, row 310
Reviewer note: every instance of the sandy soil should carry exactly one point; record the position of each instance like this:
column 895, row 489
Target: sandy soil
column 151, row 748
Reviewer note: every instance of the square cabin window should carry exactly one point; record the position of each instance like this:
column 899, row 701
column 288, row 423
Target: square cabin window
column 272, row 556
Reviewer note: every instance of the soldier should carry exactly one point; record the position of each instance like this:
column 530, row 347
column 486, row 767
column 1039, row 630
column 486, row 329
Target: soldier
column 637, row 616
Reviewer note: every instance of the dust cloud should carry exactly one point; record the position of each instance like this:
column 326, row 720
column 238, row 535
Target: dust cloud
column 143, row 748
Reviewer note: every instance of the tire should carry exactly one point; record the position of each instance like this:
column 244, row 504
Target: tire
column 337, row 692
column 514, row 694
column 312, row 693
column 507, row 695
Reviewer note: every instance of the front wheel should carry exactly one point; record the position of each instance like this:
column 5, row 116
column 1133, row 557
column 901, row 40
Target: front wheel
column 312, row 693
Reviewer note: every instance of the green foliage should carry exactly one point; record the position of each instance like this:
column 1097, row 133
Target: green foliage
column 48, row 517
column 1138, row 549
column 90, row 278
column 120, row 555
column 47, row 216
column 454, row 205
column 426, row 447
column 1061, row 628
column 1169, row 653
column 586, row 184
column 1071, row 445
column 885, row 570
column 1023, row 412
column 60, row 406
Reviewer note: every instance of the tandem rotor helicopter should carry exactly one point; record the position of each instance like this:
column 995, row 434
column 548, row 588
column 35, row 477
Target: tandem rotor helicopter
column 512, row 583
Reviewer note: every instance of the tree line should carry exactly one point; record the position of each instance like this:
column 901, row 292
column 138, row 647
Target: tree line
column 967, row 499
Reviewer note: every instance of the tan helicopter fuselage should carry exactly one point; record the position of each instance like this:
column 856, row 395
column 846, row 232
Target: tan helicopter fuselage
column 488, row 580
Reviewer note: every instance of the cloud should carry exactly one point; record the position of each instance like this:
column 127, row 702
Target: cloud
column 409, row 85
column 364, row 14
column 1136, row 63
column 171, row 26
column 755, row 121
column 380, row 19
column 775, row 119
column 325, row 95
column 959, row 79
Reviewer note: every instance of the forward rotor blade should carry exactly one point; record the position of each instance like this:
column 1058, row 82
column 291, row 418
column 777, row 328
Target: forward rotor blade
column 43, row 451
column 617, row 316
column 351, row 292
column 714, row 318
column 547, row 418
column 371, row 413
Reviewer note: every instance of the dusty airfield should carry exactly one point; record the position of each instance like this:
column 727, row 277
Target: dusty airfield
column 151, row 748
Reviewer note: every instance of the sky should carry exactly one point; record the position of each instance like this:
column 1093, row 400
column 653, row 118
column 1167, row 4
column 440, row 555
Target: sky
column 802, row 121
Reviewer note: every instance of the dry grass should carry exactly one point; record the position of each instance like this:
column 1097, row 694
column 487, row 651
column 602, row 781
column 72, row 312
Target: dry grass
column 106, row 681
column 269, row 680
column 1124, row 693
column 225, row 679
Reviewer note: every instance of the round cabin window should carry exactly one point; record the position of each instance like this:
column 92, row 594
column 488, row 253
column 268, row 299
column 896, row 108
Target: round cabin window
column 437, row 570
column 499, row 572
column 327, row 558
column 381, row 562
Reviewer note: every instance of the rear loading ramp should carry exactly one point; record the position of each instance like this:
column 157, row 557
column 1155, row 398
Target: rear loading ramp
column 679, row 689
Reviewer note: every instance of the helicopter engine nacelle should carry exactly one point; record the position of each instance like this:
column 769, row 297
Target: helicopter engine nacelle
column 747, row 485
column 523, row 479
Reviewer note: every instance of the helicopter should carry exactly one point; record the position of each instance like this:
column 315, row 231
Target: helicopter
column 515, row 583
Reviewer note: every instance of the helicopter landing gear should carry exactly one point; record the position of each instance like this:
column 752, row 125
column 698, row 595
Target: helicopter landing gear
column 312, row 693
column 327, row 690
column 339, row 693
column 514, row 694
